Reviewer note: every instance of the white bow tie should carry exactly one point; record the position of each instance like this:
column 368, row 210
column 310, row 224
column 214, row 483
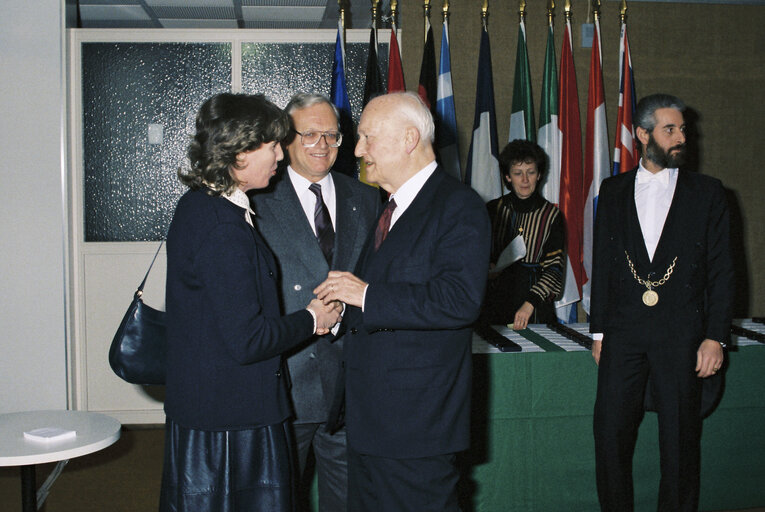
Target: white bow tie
column 644, row 177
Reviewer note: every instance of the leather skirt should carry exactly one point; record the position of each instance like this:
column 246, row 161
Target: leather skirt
column 247, row 470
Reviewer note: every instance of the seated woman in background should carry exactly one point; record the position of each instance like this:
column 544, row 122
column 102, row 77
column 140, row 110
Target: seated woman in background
column 227, row 447
column 523, row 292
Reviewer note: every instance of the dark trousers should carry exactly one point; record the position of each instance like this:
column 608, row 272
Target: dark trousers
column 380, row 484
column 331, row 464
column 629, row 360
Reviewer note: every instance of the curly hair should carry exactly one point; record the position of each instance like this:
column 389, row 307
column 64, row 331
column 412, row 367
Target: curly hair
column 227, row 125
column 522, row 151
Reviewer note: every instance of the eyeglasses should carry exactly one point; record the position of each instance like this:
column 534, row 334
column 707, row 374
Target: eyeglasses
column 310, row 139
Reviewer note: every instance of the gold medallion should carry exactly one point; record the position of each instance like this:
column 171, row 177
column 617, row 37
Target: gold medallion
column 650, row 298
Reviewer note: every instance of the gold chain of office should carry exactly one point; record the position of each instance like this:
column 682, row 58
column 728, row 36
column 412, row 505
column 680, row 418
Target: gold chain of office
column 650, row 297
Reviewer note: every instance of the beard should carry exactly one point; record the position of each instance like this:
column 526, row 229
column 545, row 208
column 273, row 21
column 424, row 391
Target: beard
column 665, row 159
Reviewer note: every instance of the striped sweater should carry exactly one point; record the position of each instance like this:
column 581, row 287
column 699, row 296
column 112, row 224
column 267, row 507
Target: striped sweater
column 541, row 226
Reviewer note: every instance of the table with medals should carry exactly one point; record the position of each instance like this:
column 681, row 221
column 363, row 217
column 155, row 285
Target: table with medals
column 532, row 446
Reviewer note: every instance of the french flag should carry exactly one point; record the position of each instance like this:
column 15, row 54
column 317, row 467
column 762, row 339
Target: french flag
column 596, row 161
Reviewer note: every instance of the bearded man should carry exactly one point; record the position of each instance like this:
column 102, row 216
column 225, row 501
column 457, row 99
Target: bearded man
column 662, row 290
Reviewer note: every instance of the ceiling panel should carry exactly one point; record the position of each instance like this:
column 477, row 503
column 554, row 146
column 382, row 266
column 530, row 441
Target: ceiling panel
column 113, row 12
column 221, row 13
column 274, row 13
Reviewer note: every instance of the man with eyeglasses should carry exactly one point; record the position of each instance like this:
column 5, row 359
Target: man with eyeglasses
column 315, row 220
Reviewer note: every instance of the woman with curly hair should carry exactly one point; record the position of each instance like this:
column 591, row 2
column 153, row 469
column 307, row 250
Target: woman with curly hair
column 523, row 292
column 227, row 447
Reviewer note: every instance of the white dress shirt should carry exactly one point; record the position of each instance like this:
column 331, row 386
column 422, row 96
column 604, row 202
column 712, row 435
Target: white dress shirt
column 653, row 197
column 409, row 190
column 308, row 199
column 404, row 196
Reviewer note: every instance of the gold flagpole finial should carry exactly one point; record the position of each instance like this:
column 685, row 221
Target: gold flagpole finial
column 341, row 4
column 567, row 9
column 623, row 12
column 485, row 14
column 445, row 10
column 522, row 9
column 393, row 7
column 426, row 18
column 596, row 10
column 550, row 11
column 375, row 5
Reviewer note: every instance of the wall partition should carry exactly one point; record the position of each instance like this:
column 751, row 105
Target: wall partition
column 133, row 97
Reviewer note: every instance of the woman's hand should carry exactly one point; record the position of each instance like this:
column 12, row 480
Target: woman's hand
column 522, row 316
column 327, row 315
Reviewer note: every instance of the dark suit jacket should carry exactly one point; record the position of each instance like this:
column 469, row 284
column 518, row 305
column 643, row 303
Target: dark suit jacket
column 313, row 365
column 408, row 355
column 225, row 336
column 695, row 302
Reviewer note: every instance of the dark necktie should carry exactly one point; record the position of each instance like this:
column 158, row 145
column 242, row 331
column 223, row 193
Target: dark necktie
column 383, row 225
column 324, row 231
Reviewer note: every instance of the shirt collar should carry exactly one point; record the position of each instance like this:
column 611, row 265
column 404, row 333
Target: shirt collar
column 646, row 176
column 239, row 198
column 301, row 183
column 409, row 190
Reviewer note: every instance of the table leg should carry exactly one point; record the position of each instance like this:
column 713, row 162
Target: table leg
column 28, row 489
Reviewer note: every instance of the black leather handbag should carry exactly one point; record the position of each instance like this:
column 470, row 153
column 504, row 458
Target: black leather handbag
column 139, row 348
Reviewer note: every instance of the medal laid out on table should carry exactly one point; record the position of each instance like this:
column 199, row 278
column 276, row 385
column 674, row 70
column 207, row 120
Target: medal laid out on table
column 650, row 296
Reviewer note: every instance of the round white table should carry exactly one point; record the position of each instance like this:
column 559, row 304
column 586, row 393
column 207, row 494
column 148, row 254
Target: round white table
column 94, row 432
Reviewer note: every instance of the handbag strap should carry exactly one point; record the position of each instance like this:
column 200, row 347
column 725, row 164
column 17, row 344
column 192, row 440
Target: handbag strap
column 139, row 291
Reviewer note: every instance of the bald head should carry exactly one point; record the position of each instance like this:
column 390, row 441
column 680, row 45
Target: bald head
column 396, row 135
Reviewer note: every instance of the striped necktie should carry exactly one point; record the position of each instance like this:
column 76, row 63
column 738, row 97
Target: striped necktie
column 324, row 231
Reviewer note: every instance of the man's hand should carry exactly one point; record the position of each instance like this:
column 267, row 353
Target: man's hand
column 709, row 358
column 522, row 316
column 327, row 315
column 342, row 286
column 597, row 345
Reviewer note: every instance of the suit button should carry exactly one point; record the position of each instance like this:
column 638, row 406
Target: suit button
column 278, row 374
column 312, row 355
column 270, row 273
column 354, row 330
column 297, row 287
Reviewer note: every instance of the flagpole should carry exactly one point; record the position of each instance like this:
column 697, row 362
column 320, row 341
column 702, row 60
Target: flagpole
column 393, row 12
column 426, row 17
column 522, row 10
column 445, row 11
column 550, row 11
column 375, row 5
column 623, row 12
column 485, row 15
column 341, row 5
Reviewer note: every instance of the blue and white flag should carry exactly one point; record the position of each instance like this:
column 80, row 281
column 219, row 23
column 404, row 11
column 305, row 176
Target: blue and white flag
column 482, row 171
column 446, row 118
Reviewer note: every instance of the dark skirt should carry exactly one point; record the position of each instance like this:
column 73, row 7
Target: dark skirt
column 227, row 471
column 506, row 293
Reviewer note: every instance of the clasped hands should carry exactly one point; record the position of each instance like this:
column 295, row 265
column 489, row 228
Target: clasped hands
column 338, row 288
